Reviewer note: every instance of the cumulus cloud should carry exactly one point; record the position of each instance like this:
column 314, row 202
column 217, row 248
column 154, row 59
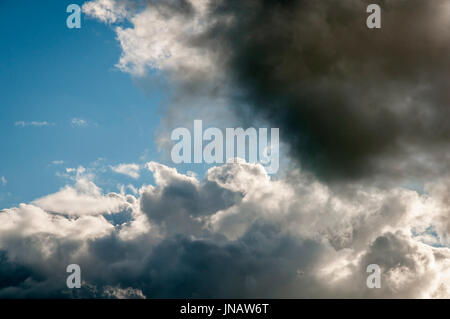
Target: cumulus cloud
column 158, row 38
column 131, row 170
column 236, row 233
column 179, row 203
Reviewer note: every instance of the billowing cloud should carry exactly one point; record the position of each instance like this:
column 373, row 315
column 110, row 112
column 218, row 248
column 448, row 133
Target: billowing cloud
column 236, row 233
column 180, row 204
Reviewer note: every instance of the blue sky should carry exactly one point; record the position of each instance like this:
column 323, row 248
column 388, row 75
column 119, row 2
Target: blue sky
column 49, row 73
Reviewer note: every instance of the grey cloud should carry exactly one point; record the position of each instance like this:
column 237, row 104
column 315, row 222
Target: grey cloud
column 263, row 263
column 280, row 239
column 343, row 95
column 178, row 201
column 351, row 102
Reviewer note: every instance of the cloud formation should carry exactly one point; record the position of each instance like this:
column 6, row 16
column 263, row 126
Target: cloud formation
column 355, row 106
column 352, row 103
column 83, row 198
column 236, row 233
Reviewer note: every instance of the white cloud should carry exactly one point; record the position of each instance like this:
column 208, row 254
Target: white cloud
column 28, row 220
column 3, row 180
column 78, row 122
column 155, row 41
column 33, row 123
column 85, row 198
column 108, row 11
column 133, row 189
column 131, row 170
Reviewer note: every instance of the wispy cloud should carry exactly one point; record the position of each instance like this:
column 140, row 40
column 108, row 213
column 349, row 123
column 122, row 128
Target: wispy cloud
column 3, row 181
column 131, row 170
column 78, row 122
column 33, row 123
column 57, row 162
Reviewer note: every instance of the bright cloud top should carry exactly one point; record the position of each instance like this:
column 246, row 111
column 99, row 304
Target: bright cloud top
column 155, row 41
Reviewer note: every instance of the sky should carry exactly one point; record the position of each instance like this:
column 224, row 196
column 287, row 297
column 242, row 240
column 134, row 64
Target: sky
column 65, row 80
column 87, row 176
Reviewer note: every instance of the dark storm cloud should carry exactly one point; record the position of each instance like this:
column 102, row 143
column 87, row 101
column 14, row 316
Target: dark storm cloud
column 344, row 96
column 351, row 102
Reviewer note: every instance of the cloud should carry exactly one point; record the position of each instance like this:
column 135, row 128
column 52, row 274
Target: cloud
column 33, row 123
column 83, row 198
column 236, row 233
column 108, row 11
column 3, row 181
column 351, row 103
column 29, row 220
column 131, row 170
column 78, row 122
column 341, row 93
column 179, row 203
column 120, row 293
column 158, row 38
